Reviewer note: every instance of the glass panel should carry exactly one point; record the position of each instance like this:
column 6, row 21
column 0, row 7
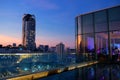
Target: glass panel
column 100, row 21
column 79, row 25
column 79, row 48
column 79, row 39
column 114, row 18
column 88, row 46
column 88, row 23
column 115, row 45
column 102, row 45
column 76, row 25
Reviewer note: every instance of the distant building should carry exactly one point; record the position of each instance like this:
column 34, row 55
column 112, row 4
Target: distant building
column 28, row 32
column 1, row 45
column 53, row 49
column 46, row 48
column 12, row 50
column 60, row 48
column 69, row 50
column 14, row 44
column 41, row 48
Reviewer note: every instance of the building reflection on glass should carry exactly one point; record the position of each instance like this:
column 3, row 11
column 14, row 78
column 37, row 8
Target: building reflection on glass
column 98, row 35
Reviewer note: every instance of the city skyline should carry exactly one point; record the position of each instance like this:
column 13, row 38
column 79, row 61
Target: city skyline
column 54, row 20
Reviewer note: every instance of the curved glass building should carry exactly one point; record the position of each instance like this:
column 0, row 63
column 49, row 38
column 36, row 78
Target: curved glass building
column 28, row 32
column 98, row 35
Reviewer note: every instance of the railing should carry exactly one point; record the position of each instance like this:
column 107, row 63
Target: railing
column 17, row 64
column 38, row 75
column 38, row 65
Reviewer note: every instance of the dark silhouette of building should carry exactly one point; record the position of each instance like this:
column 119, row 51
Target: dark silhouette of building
column 46, row 48
column 1, row 45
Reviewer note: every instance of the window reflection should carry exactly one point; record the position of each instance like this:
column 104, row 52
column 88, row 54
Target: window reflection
column 115, row 45
column 102, row 45
column 100, row 21
column 88, row 23
column 78, row 42
column 114, row 18
column 88, row 46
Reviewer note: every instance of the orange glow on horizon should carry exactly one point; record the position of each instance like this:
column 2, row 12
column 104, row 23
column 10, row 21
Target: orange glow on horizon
column 6, row 40
column 53, row 42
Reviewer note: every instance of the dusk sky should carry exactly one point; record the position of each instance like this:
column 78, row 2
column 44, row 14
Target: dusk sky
column 55, row 19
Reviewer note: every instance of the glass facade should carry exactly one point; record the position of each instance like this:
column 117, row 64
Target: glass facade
column 87, row 23
column 100, row 19
column 28, row 39
column 98, row 35
column 114, row 18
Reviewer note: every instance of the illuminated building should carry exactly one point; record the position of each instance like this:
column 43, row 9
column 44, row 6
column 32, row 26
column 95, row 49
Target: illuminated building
column 28, row 32
column 98, row 33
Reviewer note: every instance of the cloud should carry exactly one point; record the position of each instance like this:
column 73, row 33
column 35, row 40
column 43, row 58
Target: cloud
column 43, row 4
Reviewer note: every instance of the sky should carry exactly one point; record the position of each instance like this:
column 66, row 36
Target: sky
column 55, row 19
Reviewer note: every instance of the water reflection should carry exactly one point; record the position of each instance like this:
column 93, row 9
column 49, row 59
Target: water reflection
column 95, row 72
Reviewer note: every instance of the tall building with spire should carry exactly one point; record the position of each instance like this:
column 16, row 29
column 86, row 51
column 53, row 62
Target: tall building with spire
column 28, row 32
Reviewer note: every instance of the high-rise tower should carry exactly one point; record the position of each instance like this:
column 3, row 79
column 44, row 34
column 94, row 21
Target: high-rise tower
column 28, row 31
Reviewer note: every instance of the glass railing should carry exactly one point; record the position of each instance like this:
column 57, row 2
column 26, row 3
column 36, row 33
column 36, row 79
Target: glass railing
column 16, row 64
column 20, row 64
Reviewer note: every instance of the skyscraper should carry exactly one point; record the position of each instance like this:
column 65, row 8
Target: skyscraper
column 28, row 32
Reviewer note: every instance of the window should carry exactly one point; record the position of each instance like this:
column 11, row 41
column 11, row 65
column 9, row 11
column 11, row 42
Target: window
column 101, row 21
column 87, row 23
column 101, row 40
column 115, row 43
column 79, row 43
column 76, row 26
column 114, row 18
column 79, row 25
column 88, row 46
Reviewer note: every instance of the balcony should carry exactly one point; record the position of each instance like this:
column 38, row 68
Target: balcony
column 49, row 66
